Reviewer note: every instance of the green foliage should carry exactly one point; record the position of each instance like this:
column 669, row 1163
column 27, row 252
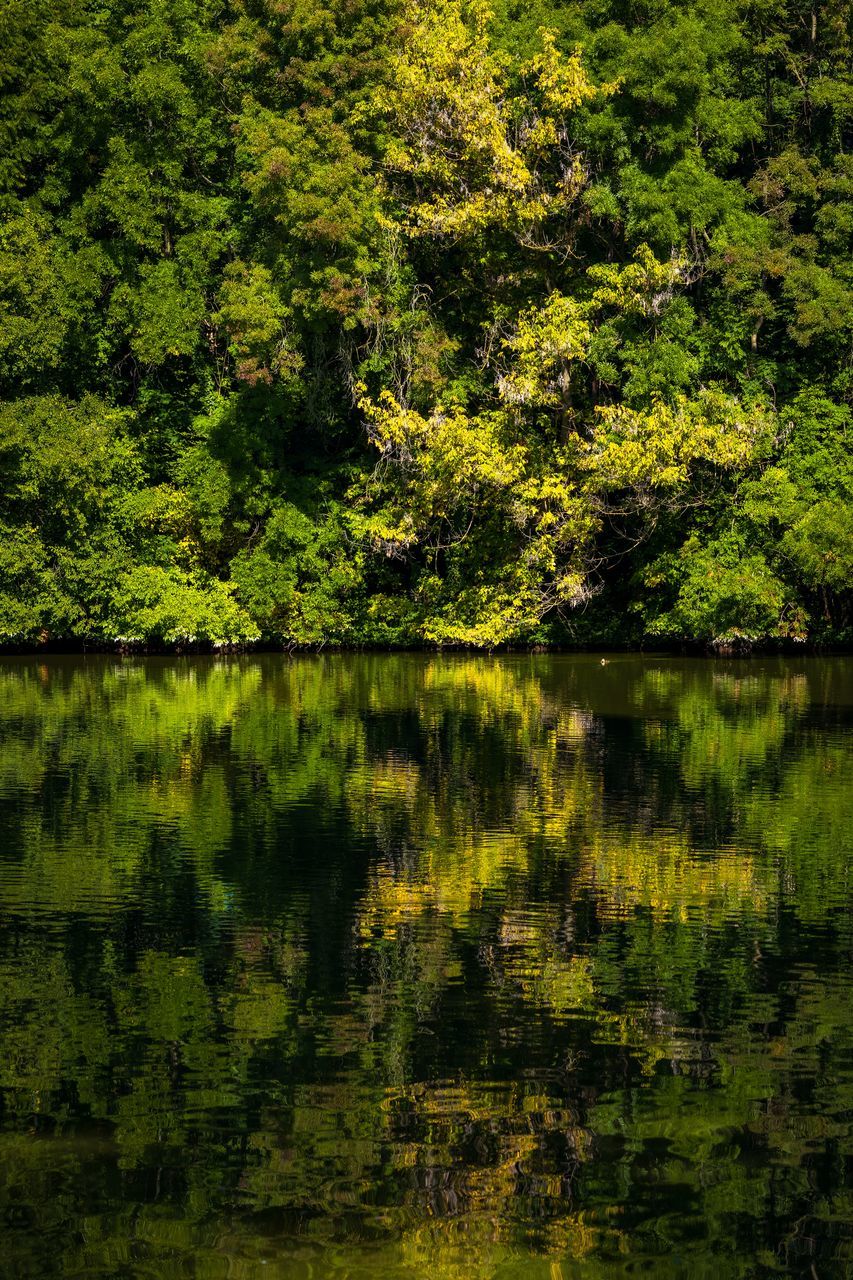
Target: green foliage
column 784, row 565
column 303, row 579
column 594, row 261
column 89, row 550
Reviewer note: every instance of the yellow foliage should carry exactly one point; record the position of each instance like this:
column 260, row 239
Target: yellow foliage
column 516, row 503
column 545, row 343
column 562, row 81
column 642, row 286
column 452, row 476
column 658, row 447
column 477, row 150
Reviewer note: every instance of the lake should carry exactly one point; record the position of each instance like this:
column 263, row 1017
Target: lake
column 394, row 966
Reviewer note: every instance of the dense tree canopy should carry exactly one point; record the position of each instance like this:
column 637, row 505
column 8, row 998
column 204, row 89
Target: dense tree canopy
column 404, row 321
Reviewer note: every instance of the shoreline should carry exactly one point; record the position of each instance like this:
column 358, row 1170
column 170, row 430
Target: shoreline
column 683, row 649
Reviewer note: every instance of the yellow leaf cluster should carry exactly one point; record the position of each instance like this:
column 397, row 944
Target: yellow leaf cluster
column 660, row 446
column 477, row 148
column 546, row 342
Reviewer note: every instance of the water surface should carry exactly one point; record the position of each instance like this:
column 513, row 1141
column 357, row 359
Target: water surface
column 405, row 966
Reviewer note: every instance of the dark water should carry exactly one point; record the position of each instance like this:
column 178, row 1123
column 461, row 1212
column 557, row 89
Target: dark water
column 418, row 967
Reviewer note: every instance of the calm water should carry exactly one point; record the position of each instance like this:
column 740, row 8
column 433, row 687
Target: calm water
column 388, row 966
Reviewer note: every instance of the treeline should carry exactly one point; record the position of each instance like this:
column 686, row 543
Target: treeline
column 389, row 322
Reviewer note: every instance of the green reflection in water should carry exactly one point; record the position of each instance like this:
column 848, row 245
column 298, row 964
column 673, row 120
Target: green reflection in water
column 445, row 967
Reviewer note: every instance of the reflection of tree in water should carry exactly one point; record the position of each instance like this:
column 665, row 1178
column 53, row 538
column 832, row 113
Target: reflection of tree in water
column 439, row 955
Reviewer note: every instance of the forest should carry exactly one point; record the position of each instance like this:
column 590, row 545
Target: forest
column 426, row 322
